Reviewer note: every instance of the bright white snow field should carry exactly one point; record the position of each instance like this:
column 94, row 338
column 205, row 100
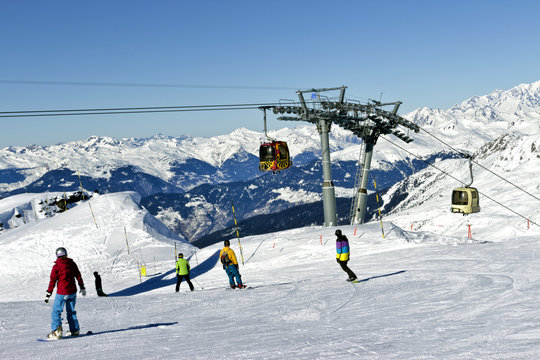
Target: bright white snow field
column 422, row 295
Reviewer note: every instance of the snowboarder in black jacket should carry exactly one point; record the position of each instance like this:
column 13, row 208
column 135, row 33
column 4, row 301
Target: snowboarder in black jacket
column 99, row 287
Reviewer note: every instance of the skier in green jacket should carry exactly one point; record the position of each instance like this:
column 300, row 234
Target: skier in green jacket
column 182, row 272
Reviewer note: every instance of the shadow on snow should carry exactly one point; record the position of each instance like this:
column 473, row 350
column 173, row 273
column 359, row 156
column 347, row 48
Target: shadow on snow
column 137, row 327
column 159, row 280
column 380, row 276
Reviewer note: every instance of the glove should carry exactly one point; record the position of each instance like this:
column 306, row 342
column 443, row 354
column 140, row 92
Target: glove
column 337, row 260
column 83, row 291
column 47, row 297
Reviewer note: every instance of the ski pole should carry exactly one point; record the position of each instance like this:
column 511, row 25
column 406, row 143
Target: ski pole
column 198, row 284
column 127, row 243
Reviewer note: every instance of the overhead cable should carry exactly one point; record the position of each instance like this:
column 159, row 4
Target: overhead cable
column 132, row 110
column 111, row 84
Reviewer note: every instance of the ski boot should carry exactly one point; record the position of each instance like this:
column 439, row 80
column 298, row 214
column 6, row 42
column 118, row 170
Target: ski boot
column 72, row 333
column 241, row 286
column 55, row 334
column 351, row 279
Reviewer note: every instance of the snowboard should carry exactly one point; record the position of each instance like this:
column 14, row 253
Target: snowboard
column 66, row 337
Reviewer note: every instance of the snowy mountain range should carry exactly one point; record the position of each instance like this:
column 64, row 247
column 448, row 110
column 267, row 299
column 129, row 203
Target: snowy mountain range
column 189, row 183
column 432, row 284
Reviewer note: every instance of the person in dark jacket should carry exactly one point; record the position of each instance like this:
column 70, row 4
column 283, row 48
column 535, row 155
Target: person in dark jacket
column 343, row 254
column 63, row 275
column 99, row 287
column 182, row 272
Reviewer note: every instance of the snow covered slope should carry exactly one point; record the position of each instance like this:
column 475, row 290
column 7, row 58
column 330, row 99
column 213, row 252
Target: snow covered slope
column 421, row 295
column 427, row 291
column 94, row 232
column 506, row 178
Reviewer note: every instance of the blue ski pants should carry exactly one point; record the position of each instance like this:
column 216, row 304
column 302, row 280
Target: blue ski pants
column 232, row 273
column 71, row 314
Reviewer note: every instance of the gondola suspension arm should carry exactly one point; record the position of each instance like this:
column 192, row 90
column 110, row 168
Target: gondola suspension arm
column 470, row 170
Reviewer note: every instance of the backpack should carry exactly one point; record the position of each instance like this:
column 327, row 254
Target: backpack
column 225, row 258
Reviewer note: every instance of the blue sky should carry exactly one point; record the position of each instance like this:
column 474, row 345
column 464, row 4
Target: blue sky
column 424, row 53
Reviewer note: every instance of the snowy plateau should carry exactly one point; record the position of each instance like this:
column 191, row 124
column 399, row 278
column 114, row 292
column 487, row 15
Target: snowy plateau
column 433, row 285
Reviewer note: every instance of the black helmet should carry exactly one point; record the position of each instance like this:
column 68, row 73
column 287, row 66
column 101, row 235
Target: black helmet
column 227, row 243
column 61, row 252
column 180, row 255
column 338, row 232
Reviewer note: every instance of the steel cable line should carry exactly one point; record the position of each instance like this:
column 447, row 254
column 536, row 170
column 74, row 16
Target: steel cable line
column 453, row 177
column 189, row 86
column 126, row 112
column 482, row 166
column 130, row 110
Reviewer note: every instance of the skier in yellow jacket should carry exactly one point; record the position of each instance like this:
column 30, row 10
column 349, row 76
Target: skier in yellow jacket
column 230, row 265
column 182, row 272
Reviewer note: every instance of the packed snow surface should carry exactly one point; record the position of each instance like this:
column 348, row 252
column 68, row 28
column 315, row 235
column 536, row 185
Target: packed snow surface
column 421, row 295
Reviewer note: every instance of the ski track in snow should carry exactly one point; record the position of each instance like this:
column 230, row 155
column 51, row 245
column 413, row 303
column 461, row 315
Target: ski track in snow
column 421, row 295
column 415, row 300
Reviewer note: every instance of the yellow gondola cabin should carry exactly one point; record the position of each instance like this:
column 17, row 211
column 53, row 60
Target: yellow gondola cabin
column 465, row 200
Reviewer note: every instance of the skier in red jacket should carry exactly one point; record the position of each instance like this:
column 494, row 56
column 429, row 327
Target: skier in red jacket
column 64, row 272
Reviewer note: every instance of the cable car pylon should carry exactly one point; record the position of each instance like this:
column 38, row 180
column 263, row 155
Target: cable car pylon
column 367, row 121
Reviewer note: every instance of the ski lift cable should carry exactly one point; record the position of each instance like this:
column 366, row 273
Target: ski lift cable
column 126, row 112
column 477, row 163
column 137, row 110
column 453, row 177
column 112, row 84
column 203, row 107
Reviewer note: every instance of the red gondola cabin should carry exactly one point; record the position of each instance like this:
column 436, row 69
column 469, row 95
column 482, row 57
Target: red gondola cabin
column 274, row 156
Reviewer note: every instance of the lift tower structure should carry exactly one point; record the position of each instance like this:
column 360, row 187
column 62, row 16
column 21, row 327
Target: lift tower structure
column 367, row 121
